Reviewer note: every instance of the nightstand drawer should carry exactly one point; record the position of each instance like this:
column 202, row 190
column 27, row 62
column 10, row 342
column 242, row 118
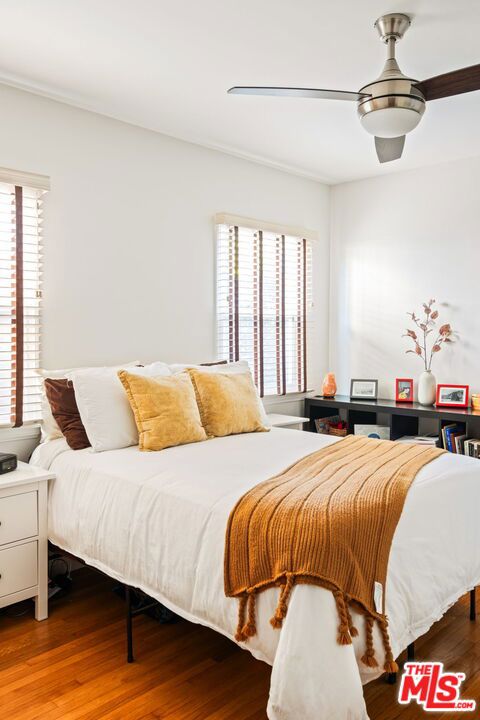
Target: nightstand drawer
column 18, row 517
column 18, row 568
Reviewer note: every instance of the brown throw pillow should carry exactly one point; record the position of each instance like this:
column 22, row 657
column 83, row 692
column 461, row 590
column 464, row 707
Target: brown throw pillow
column 61, row 396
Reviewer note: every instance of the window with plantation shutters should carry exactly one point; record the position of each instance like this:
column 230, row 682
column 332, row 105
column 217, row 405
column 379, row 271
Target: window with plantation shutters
column 20, row 298
column 264, row 301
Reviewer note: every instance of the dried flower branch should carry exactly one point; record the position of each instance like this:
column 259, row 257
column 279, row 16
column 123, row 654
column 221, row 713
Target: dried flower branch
column 426, row 325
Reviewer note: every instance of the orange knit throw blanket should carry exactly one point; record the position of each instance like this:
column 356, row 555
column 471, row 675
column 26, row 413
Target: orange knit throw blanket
column 327, row 520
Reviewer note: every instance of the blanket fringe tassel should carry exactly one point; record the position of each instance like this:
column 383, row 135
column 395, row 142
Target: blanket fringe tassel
column 369, row 658
column 250, row 628
column 390, row 664
column 343, row 637
column 246, row 607
column 242, row 606
column 281, row 611
column 351, row 627
column 247, row 628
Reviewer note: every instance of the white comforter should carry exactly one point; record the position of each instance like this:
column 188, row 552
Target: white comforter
column 157, row 521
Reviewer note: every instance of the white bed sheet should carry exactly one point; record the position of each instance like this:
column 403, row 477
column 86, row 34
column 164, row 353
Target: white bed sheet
column 157, row 521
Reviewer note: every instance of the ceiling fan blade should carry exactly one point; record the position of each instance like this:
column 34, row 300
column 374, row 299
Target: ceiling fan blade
column 451, row 83
column 389, row 149
column 298, row 92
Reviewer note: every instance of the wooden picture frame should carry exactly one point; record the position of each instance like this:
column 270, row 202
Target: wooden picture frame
column 404, row 390
column 455, row 396
column 362, row 389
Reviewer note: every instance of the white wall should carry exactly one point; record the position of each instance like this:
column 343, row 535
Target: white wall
column 129, row 247
column 397, row 241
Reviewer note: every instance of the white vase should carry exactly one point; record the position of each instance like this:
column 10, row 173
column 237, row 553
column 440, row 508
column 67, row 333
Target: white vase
column 427, row 386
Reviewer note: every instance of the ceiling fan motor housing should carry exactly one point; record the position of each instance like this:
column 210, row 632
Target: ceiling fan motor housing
column 394, row 108
column 395, row 105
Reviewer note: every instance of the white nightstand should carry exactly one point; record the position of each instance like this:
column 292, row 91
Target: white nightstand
column 23, row 537
column 289, row 421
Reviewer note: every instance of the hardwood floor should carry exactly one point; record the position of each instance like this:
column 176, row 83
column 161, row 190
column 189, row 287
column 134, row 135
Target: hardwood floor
column 72, row 666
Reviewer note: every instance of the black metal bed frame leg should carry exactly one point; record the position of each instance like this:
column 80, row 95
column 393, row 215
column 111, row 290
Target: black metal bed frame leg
column 473, row 604
column 128, row 598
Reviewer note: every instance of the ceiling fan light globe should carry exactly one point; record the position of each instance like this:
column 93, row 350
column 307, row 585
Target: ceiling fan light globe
column 390, row 122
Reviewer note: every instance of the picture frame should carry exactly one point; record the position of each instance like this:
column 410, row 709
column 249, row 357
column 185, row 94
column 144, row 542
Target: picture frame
column 404, row 390
column 452, row 396
column 361, row 389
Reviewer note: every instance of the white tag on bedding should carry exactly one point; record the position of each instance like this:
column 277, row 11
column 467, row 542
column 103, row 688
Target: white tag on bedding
column 378, row 596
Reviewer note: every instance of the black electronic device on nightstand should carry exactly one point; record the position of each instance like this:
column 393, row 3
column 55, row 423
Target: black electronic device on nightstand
column 8, row 462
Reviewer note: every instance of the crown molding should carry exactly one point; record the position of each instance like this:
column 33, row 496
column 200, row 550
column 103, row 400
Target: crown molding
column 45, row 91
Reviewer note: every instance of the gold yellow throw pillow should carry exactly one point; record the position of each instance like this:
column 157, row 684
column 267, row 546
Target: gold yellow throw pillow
column 228, row 402
column 165, row 410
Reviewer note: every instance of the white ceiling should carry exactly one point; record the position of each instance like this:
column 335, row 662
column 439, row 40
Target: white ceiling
column 166, row 65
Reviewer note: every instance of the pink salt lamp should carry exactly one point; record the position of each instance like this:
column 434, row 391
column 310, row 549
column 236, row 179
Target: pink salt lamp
column 329, row 387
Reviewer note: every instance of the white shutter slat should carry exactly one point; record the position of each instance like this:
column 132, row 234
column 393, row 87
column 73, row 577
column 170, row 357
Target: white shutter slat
column 263, row 295
column 10, row 306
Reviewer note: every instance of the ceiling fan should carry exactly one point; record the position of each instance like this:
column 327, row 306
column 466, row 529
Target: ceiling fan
column 393, row 105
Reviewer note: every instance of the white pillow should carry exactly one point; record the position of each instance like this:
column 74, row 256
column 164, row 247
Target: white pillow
column 49, row 427
column 240, row 366
column 104, row 408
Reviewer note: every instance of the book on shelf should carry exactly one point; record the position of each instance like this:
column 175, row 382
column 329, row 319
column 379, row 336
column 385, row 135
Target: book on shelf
column 456, row 441
column 472, row 447
column 419, row 439
column 453, row 437
column 449, row 433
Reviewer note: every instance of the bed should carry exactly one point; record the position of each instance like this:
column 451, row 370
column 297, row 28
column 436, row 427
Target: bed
column 156, row 521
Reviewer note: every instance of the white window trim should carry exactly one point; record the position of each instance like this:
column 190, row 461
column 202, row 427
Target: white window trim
column 26, row 179
column 228, row 219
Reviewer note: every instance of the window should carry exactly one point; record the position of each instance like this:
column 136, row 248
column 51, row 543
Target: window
column 20, row 296
column 263, row 301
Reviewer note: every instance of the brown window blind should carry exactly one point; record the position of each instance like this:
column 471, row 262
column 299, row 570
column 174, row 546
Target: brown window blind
column 263, row 303
column 20, row 296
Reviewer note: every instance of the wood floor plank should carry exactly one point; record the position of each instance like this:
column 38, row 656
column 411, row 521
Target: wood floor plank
column 72, row 666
